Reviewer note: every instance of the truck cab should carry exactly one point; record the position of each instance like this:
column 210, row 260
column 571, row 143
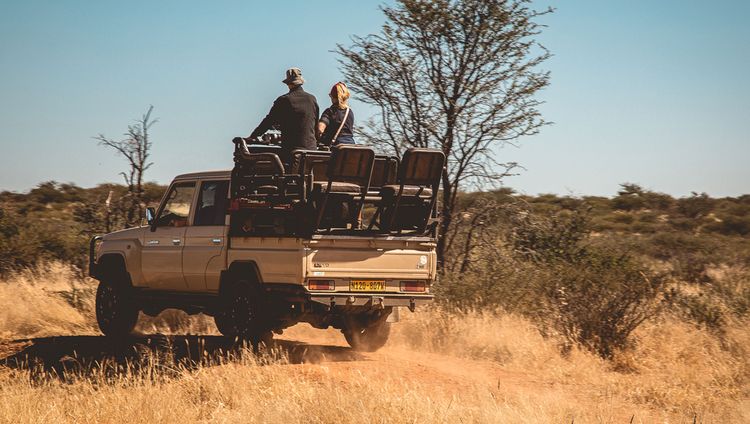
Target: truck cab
column 266, row 245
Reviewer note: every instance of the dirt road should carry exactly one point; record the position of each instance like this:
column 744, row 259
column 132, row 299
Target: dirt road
column 322, row 360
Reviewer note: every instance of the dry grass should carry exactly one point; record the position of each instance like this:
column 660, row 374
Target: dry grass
column 475, row 366
column 51, row 300
column 45, row 301
column 675, row 367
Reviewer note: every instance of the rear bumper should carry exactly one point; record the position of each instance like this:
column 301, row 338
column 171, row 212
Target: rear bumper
column 377, row 300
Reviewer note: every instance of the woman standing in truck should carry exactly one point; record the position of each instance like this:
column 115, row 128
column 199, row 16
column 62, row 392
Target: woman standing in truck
column 336, row 124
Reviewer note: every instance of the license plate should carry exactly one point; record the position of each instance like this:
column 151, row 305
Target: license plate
column 367, row 285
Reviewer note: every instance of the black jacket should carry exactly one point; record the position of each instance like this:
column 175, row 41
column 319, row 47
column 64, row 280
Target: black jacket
column 295, row 114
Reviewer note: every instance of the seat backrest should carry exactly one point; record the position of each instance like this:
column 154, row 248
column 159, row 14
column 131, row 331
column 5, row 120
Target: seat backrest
column 262, row 164
column 384, row 171
column 311, row 162
column 421, row 167
column 351, row 164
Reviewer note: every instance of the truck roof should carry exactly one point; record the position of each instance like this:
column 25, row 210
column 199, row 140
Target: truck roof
column 224, row 173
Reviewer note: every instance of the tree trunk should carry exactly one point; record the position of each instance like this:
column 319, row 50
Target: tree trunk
column 446, row 218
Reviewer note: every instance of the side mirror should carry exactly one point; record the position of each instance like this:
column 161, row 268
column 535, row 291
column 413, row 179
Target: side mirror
column 150, row 215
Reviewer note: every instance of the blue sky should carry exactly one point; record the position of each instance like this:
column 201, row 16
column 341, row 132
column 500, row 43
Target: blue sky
column 655, row 93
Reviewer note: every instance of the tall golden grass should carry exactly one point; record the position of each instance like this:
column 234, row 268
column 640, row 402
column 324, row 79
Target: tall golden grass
column 45, row 301
column 439, row 366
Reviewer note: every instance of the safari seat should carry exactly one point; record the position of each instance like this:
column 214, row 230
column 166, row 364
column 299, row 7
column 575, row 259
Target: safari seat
column 314, row 162
column 260, row 176
column 384, row 171
column 409, row 204
column 349, row 171
column 261, row 164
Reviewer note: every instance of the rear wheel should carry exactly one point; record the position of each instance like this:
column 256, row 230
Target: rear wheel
column 244, row 315
column 116, row 311
column 368, row 339
column 225, row 324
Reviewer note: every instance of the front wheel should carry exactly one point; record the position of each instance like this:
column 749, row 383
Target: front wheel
column 368, row 339
column 116, row 312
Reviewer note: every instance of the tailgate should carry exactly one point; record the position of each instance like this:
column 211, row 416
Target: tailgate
column 369, row 258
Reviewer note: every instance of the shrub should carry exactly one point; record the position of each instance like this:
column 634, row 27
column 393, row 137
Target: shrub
column 544, row 267
column 667, row 245
column 696, row 307
column 29, row 240
column 734, row 289
column 695, row 206
column 593, row 296
column 598, row 300
column 731, row 225
column 622, row 218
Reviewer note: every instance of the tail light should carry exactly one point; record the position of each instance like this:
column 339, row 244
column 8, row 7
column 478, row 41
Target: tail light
column 320, row 285
column 413, row 286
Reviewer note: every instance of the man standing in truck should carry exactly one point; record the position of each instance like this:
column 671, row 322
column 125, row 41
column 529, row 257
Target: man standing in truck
column 295, row 114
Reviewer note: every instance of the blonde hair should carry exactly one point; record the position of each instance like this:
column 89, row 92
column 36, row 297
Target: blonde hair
column 340, row 95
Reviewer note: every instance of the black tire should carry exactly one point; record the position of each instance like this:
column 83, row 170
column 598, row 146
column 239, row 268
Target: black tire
column 225, row 324
column 116, row 311
column 245, row 316
column 368, row 339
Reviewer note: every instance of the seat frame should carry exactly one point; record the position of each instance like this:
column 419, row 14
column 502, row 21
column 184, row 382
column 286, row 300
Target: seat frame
column 246, row 179
column 294, row 187
column 338, row 154
column 432, row 181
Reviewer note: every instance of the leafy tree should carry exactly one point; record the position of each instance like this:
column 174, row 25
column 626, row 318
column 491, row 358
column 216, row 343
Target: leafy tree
column 458, row 75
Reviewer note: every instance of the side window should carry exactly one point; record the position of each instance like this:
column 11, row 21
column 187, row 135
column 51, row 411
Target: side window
column 212, row 203
column 177, row 207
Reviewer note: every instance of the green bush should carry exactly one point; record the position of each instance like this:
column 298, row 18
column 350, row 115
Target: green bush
column 599, row 299
column 544, row 267
column 593, row 296
column 633, row 197
column 31, row 239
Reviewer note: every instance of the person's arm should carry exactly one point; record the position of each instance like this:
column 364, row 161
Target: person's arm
column 321, row 128
column 325, row 119
column 268, row 122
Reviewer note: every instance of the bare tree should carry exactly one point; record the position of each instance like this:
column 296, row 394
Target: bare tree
column 459, row 75
column 136, row 149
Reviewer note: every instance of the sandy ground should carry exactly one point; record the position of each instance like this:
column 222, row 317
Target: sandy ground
column 323, row 358
column 450, row 375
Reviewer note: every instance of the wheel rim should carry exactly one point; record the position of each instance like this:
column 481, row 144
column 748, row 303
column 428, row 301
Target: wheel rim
column 115, row 312
column 244, row 313
column 107, row 304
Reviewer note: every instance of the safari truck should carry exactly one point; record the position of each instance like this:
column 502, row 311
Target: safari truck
column 340, row 238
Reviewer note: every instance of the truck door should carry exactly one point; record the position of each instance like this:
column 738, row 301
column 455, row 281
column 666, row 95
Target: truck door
column 161, row 258
column 204, row 255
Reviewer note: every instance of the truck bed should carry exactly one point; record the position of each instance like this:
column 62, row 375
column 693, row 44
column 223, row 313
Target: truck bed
column 349, row 269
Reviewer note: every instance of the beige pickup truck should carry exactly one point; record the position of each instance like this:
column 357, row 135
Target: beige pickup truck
column 260, row 257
